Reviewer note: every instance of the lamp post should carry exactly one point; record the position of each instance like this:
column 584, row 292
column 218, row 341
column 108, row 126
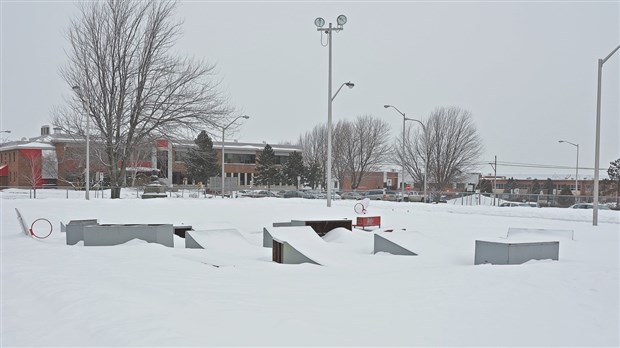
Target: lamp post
column 78, row 91
column 576, row 165
column 598, row 136
column 403, row 156
column 2, row 140
column 223, row 133
column 319, row 22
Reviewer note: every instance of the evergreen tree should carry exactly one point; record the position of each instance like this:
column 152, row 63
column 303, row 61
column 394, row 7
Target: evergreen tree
column 485, row 186
column 614, row 175
column 266, row 171
column 566, row 197
column 510, row 185
column 535, row 187
column 293, row 168
column 202, row 162
column 314, row 175
column 548, row 186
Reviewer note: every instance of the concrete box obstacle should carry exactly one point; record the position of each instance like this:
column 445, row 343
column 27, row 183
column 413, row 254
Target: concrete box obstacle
column 515, row 253
column 320, row 227
column 295, row 244
column 181, row 230
column 75, row 230
column 384, row 244
column 115, row 234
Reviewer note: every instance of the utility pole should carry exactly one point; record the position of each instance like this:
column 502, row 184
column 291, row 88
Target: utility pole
column 494, row 165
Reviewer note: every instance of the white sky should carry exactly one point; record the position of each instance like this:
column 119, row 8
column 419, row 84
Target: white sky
column 526, row 70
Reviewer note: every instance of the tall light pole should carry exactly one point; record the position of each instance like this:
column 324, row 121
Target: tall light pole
column 319, row 22
column 598, row 136
column 576, row 165
column 78, row 91
column 403, row 156
column 223, row 133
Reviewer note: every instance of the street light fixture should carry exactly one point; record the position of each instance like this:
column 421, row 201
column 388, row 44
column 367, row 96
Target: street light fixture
column 78, row 91
column 598, row 136
column 5, row 131
column 319, row 22
column 403, row 155
column 576, row 165
column 223, row 133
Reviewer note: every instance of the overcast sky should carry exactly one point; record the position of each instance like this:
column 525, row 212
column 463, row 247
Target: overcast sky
column 526, row 70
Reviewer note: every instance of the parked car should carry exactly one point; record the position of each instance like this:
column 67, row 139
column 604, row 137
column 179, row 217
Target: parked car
column 243, row 193
column 588, row 206
column 393, row 196
column 520, row 204
column 262, row 193
column 375, row 195
column 293, row 194
column 351, row 195
column 413, row 196
column 437, row 198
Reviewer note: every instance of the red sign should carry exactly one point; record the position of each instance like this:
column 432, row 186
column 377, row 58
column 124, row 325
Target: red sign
column 162, row 143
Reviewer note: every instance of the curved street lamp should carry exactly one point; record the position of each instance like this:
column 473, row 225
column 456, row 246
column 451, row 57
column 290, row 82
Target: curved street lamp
column 576, row 165
column 598, row 136
column 319, row 22
column 223, row 133
column 403, row 156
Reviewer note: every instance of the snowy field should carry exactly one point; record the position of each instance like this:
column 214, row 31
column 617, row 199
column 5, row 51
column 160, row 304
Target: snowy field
column 150, row 295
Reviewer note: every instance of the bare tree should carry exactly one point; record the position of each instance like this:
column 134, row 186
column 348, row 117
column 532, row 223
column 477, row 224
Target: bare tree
column 314, row 148
column 366, row 149
column 449, row 149
column 131, row 85
column 33, row 174
column 343, row 139
column 359, row 147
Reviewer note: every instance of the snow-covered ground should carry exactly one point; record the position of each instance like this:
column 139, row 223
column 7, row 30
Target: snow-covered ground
column 150, row 295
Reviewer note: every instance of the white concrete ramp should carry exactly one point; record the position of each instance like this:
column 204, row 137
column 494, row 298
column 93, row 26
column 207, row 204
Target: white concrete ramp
column 389, row 242
column 226, row 246
column 201, row 239
column 300, row 244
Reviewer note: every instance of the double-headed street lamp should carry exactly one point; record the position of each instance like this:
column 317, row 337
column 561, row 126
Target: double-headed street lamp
column 576, row 165
column 319, row 22
column 598, row 136
column 78, row 91
column 403, row 155
column 223, row 133
column 4, row 131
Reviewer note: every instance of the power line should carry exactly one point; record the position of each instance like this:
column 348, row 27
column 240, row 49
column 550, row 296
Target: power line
column 535, row 165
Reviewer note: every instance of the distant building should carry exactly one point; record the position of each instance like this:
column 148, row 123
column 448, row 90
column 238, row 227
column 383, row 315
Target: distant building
column 55, row 159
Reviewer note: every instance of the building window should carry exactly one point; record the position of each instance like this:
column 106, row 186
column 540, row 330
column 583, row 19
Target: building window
column 239, row 158
column 281, row 159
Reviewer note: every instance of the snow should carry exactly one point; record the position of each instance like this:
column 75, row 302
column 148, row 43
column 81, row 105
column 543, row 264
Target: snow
column 232, row 294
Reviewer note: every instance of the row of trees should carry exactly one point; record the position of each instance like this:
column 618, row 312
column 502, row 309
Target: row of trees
column 202, row 163
column 447, row 150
